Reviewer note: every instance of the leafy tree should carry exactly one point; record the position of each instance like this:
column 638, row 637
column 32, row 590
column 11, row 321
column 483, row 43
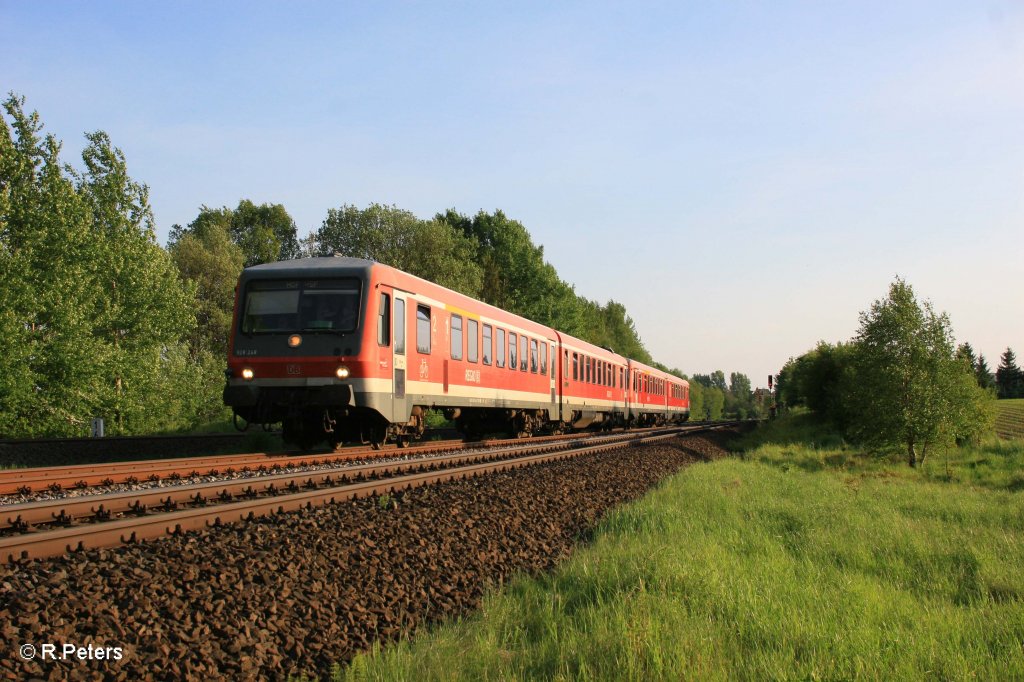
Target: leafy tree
column 718, row 381
column 820, row 380
column 264, row 233
column 1009, row 379
column 909, row 388
column 697, row 408
column 93, row 308
column 965, row 353
column 207, row 257
column 428, row 249
column 517, row 278
column 714, row 403
column 702, row 379
column 740, row 398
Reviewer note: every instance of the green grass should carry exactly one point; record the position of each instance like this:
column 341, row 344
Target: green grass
column 830, row 566
column 800, row 442
column 1010, row 418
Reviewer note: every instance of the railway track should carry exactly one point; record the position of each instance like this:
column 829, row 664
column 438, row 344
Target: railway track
column 52, row 527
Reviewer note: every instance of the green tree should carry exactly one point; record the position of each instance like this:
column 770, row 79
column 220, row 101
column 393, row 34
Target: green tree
column 714, row 403
column 1009, row 379
column 428, row 249
column 94, row 307
column 819, row 380
column 265, row 233
column 740, row 399
column 909, row 388
column 206, row 256
column 718, row 381
column 984, row 375
column 517, row 278
column 965, row 353
column 696, row 400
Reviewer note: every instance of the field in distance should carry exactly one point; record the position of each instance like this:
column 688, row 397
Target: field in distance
column 805, row 559
column 1010, row 418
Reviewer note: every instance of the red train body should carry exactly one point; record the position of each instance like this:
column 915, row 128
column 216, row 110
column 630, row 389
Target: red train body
column 342, row 349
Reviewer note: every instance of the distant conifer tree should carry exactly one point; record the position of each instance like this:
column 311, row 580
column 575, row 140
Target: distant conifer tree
column 984, row 374
column 1009, row 379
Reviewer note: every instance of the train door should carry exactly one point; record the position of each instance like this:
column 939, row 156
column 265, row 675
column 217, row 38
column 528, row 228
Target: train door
column 552, row 374
column 629, row 390
column 400, row 403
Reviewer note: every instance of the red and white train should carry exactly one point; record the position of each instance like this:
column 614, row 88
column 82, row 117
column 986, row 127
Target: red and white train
column 343, row 349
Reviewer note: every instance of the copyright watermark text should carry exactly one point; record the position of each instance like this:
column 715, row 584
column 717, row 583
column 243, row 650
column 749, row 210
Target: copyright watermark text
column 70, row 652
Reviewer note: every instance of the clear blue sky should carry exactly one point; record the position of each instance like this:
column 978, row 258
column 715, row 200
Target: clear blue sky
column 744, row 177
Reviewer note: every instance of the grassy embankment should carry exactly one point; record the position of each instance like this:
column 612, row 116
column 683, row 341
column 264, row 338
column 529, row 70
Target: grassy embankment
column 804, row 560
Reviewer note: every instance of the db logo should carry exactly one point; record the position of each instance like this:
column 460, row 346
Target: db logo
column 294, row 369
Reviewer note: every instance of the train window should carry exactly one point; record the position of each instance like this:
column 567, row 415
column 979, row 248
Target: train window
column 522, row 353
column 472, row 340
column 553, row 351
column 400, row 326
column 499, row 352
column 512, row 341
column 456, row 337
column 533, row 355
column 314, row 305
column 543, row 358
column 423, row 329
column 384, row 321
column 588, row 364
column 487, row 344
column 575, row 367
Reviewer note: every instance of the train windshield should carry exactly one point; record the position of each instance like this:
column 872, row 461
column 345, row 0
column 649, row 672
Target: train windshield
column 308, row 305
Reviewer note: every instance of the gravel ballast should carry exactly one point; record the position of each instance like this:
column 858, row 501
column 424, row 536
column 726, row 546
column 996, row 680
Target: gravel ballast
column 300, row 591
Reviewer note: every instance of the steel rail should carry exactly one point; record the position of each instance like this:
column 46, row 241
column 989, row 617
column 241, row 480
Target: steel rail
column 26, row 480
column 54, row 542
column 64, row 511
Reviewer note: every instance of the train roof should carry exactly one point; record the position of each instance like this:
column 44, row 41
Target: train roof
column 304, row 267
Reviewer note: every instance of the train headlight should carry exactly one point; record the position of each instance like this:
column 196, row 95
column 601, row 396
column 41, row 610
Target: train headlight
column 247, row 374
column 294, row 341
column 341, row 372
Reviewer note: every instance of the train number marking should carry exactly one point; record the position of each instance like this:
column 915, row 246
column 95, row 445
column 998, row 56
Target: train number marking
column 294, row 370
column 424, row 370
column 473, row 376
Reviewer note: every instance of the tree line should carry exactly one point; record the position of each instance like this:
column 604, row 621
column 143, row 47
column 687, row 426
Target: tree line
column 99, row 320
column 901, row 380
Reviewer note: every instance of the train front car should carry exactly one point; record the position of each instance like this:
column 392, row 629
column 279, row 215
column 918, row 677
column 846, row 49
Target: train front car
column 300, row 351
